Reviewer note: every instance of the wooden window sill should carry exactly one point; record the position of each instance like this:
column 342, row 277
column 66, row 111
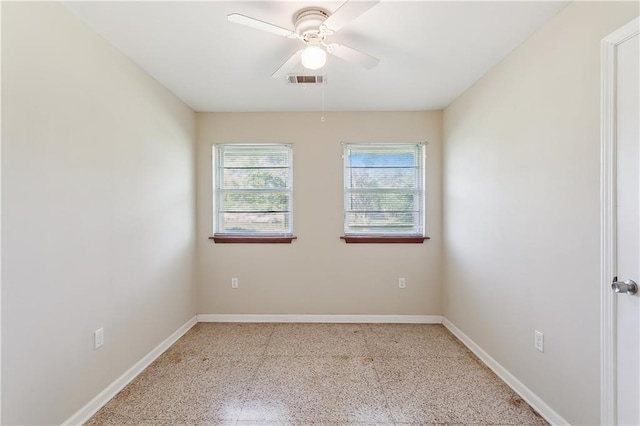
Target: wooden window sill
column 240, row 239
column 373, row 239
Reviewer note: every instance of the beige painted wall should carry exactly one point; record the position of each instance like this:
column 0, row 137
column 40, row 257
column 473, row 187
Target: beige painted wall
column 98, row 190
column 318, row 273
column 98, row 213
column 521, row 202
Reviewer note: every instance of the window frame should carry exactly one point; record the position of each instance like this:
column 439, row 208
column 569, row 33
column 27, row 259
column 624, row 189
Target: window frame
column 417, row 234
column 218, row 191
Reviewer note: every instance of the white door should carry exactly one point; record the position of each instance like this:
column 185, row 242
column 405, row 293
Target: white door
column 621, row 226
column 627, row 259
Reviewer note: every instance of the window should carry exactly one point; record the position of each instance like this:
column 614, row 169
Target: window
column 384, row 192
column 253, row 198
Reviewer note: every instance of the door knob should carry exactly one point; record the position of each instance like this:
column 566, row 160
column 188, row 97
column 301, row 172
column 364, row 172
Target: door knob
column 628, row 286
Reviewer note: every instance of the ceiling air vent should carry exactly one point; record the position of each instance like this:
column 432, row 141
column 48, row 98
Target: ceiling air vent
column 305, row 79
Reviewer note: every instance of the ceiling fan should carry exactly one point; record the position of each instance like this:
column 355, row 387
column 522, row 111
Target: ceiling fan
column 313, row 25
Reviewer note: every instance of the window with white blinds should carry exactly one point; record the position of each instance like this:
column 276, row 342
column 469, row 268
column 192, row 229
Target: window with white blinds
column 384, row 189
column 253, row 190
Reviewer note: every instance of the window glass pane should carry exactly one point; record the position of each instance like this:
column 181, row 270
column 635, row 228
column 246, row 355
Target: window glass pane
column 382, row 178
column 253, row 189
column 255, row 178
column 387, row 201
column 381, row 222
column 254, row 157
column 382, row 157
column 255, row 202
column 254, row 223
column 384, row 191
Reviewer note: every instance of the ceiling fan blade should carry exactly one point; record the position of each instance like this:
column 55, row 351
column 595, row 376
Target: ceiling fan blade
column 258, row 24
column 352, row 55
column 288, row 65
column 346, row 13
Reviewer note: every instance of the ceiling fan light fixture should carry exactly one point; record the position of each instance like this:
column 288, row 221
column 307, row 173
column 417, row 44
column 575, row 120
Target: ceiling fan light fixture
column 314, row 57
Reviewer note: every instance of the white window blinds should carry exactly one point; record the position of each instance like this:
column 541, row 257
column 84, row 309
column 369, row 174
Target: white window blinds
column 384, row 189
column 253, row 190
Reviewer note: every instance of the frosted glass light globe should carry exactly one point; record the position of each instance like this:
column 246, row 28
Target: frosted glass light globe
column 313, row 57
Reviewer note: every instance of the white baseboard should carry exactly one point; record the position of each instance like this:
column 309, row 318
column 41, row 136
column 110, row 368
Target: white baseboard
column 405, row 319
column 85, row 413
column 532, row 399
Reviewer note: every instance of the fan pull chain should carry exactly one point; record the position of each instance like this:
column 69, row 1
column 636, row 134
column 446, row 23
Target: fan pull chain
column 322, row 119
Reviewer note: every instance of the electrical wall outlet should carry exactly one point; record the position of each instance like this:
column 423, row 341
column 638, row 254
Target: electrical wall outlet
column 234, row 283
column 98, row 338
column 539, row 341
column 402, row 283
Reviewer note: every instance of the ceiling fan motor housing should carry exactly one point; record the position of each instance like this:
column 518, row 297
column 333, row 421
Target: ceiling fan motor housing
column 308, row 21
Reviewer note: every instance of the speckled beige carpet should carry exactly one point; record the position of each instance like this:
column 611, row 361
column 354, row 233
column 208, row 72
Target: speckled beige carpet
column 304, row 374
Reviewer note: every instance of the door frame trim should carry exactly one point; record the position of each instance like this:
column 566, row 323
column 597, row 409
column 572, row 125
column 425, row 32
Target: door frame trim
column 607, row 218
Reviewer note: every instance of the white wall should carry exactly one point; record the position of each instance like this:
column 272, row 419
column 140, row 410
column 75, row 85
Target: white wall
column 318, row 273
column 521, row 207
column 98, row 213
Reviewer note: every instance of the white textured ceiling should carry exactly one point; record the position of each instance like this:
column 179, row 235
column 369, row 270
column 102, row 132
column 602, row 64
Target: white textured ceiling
column 430, row 52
